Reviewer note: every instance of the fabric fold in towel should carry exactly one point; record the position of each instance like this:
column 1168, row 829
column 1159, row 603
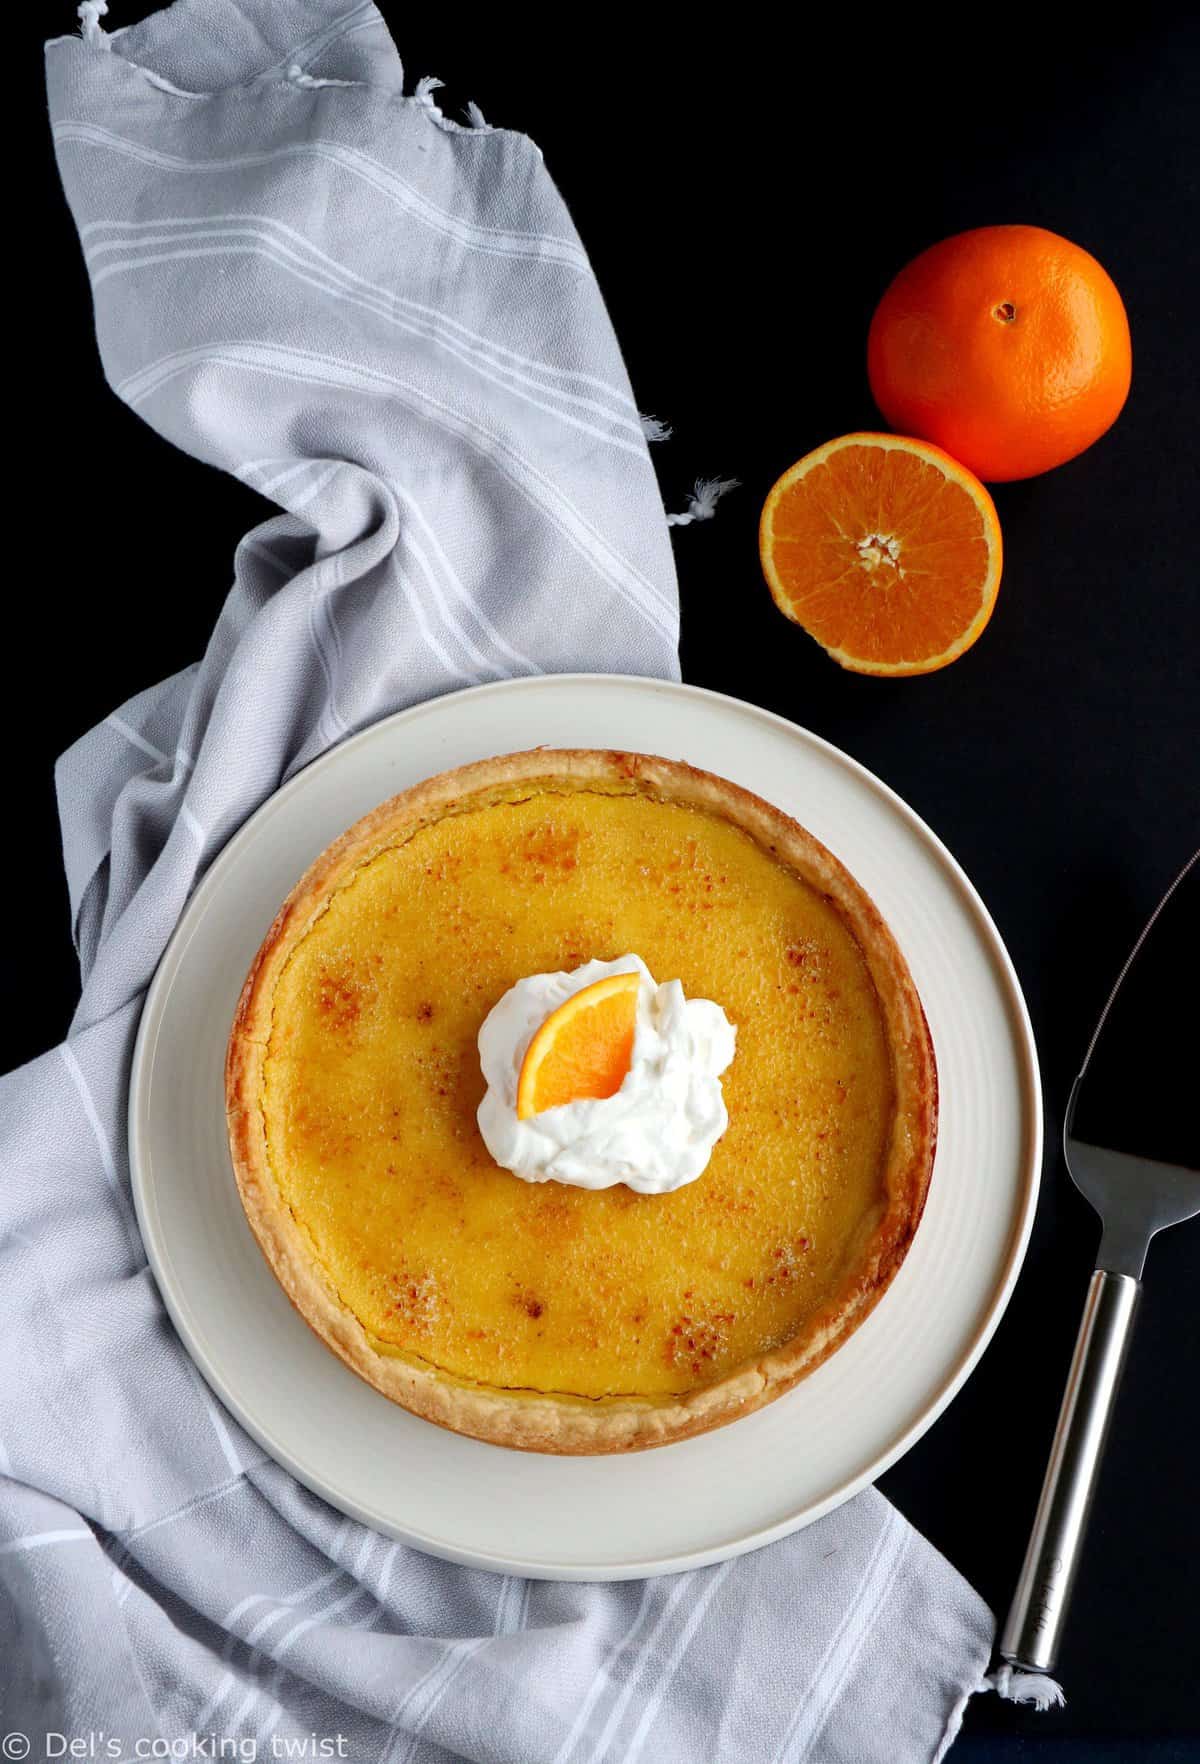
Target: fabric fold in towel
column 383, row 321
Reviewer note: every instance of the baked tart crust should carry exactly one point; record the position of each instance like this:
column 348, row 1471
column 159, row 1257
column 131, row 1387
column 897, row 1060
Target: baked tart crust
column 541, row 1419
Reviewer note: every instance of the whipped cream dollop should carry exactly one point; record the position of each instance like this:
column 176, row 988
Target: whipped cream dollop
column 655, row 1133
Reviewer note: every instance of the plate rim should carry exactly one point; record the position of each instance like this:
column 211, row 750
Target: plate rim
column 446, row 1549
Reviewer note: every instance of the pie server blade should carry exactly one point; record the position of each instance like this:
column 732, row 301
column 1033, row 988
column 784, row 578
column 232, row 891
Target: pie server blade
column 1132, row 1145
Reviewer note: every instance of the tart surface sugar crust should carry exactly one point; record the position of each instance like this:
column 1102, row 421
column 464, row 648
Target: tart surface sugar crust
column 539, row 1315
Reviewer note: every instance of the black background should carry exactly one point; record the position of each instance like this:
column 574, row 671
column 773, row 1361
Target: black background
column 746, row 189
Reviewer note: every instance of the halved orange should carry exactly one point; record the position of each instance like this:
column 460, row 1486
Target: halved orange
column 884, row 549
column 583, row 1049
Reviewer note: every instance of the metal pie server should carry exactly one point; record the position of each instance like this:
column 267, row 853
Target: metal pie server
column 1132, row 1144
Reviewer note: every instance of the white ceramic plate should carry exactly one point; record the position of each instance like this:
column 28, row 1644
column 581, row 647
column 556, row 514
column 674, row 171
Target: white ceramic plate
column 648, row 1512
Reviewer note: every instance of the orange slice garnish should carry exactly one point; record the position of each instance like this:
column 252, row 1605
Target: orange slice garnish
column 886, row 550
column 583, row 1049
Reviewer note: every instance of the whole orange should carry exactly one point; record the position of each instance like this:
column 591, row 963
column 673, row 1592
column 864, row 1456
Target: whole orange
column 1006, row 346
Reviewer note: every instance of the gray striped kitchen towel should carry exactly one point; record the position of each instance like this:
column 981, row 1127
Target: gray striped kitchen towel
column 385, row 322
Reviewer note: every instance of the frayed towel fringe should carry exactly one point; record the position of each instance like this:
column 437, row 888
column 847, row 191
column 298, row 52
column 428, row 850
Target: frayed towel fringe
column 655, row 429
column 89, row 16
column 476, row 122
column 427, row 85
column 1015, row 1687
column 1025, row 1687
column 704, row 500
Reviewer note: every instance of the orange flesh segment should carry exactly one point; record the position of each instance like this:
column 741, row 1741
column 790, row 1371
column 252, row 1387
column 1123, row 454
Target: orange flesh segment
column 583, row 1049
column 885, row 550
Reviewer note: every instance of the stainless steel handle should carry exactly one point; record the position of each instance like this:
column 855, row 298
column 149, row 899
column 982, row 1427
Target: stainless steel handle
column 1035, row 1622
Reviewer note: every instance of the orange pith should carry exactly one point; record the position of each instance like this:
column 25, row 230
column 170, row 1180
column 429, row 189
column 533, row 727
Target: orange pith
column 884, row 549
column 583, row 1049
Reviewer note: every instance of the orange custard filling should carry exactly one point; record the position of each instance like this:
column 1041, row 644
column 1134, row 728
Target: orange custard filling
column 371, row 1081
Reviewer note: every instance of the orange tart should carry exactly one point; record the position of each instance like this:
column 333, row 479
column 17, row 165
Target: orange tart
column 533, row 1313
